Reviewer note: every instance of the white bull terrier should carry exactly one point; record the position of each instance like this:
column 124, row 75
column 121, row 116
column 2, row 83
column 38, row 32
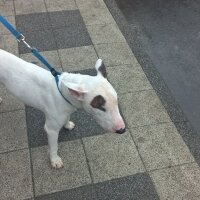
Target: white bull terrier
column 36, row 87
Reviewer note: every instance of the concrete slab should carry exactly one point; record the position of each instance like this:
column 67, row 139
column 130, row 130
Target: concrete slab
column 13, row 135
column 181, row 182
column 60, row 5
column 78, row 58
column 161, row 146
column 90, row 4
column 128, row 78
column 11, row 20
column 29, row 6
column 66, row 18
column 70, row 37
column 96, row 16
column 15, row 172
column 74, row 174
column 107, row 33
column 7, row 8
column 115, row 54
column 112, row 156
column 9, row 43
column 51, row 56
column 82, row 193
column 32, row 22
column 142, row 108
column 9, row 102
column 43, row 40
column 138, row 186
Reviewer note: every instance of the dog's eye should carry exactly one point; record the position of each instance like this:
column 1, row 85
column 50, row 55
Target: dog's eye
column 98, row 102
column 102, row 109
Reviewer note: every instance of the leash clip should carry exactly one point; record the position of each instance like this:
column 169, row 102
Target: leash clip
column 22, row 39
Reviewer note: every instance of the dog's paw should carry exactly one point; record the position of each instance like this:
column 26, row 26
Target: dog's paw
column 70, row 125
column 1, row 100
column 57, row 163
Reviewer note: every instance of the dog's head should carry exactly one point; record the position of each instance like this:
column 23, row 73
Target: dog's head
column 99, row 99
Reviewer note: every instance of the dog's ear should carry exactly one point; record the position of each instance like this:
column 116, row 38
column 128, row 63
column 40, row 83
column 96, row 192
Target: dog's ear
column 76, row 90
column 101, row 69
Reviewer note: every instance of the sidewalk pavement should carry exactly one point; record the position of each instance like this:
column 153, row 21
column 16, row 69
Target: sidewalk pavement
column 150, row 161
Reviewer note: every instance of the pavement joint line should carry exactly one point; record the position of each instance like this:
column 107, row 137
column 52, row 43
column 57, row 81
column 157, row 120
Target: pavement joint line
column 138, row 151
column 146, row 171
column 109, row 23
column 10, row 111
column 136, row 91
column 14, row 150
column 53, row 36
column 154, row 124
column 31, row 160
column 173, row 166
column 87, row 161
column 115, row 43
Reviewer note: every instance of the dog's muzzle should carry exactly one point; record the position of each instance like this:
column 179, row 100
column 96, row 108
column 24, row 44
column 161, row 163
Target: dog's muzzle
column 120, row 131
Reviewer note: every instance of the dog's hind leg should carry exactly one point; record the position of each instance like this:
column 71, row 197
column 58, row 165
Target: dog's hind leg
column 52, row 134
column 1, row 100
column 70, row 125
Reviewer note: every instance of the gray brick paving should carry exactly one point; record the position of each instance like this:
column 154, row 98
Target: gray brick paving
column 15, row 173
column 150, row 161
column 13, row 135
column 74, row 174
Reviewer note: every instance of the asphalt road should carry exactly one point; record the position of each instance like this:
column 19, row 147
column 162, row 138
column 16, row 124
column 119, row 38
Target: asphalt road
column 171, row 37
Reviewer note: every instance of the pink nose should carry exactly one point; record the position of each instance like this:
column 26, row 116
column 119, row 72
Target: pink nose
column 120, row 127
column 120, row 131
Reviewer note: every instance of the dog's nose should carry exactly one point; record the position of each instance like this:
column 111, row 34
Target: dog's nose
column 120, row 131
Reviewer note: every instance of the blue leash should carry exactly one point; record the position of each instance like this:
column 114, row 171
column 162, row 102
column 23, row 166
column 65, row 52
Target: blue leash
column 20, row 38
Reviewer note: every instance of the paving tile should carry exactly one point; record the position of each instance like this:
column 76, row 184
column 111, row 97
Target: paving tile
column 90, row 4
column 13, row 134
column 135, row 76
column 29, row 6
column 115, row 54
column 67, row 18
column 9, row 102
column 11, row 20
column 15, row 173
column 6, row 8
column 42, row 40
column 78, row 58
column 74, row 174
column 180, row 182
column 60, row 5
column 112, row 156
column 190, row 137
column 107, row 33
column 138, row 186
column 161, row 146
column 85, row 126
column 92, row 16
column 142, row 108
column 9, row 43
column 73, row 36
column 51, row 56
column 32, row 22
column 82, row 193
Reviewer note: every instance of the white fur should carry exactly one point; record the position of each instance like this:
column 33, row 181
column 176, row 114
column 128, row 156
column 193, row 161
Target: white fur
column 36, row 87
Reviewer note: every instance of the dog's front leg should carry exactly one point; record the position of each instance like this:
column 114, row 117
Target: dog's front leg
column 52, row 134
column 0, row 99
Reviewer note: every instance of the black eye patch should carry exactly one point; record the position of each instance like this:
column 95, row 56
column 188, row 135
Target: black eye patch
column 98, row 102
